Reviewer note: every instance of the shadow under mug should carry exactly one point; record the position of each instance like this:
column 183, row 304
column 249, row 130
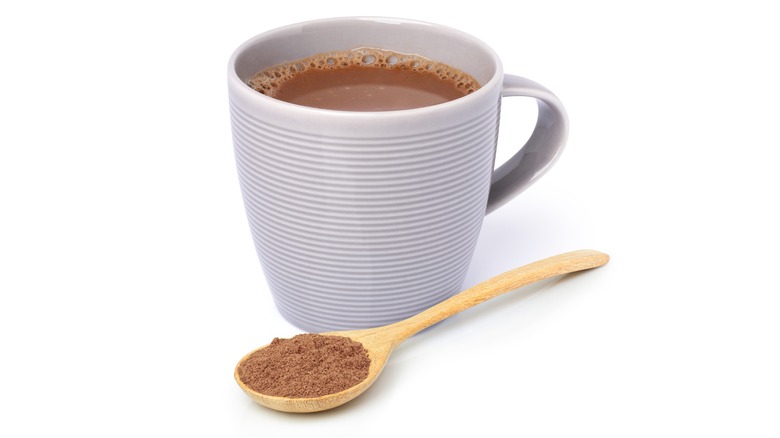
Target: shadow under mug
column 362, row 219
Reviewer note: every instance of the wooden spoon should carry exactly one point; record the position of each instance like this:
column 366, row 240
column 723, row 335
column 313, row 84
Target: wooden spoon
column 381, row 341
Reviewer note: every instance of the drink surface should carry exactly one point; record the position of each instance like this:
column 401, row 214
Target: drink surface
column 364, row 80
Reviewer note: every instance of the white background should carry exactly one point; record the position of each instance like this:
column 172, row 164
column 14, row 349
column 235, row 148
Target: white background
column 129, row 286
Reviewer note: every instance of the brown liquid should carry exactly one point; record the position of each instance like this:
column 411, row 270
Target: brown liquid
column 364, row 80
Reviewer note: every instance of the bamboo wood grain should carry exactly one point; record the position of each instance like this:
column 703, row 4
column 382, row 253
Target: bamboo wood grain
column 381, row 341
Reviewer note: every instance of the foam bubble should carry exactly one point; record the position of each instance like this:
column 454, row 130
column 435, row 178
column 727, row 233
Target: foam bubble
column 268, row 81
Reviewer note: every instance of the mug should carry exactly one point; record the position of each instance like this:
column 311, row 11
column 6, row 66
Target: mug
column 362, row 219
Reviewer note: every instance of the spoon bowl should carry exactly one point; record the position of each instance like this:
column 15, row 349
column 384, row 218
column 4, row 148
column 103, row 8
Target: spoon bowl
column 381, row 341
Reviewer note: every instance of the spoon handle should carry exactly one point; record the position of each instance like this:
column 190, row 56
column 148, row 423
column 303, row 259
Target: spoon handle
column 508, row 281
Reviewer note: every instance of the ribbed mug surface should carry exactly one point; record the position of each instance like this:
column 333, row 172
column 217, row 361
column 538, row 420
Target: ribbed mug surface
column 358, row 232
column 364, row 218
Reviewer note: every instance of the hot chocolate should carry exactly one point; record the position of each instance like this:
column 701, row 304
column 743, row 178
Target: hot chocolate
column 364, row 79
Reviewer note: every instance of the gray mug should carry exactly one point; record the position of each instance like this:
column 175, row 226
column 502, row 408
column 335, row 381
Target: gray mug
column 362, row 219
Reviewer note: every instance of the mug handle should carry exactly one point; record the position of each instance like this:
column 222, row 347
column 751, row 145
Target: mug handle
column 542, row 149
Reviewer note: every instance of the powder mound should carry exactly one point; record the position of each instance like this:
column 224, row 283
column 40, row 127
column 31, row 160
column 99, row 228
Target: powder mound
column 268, row 81
column 307, row 365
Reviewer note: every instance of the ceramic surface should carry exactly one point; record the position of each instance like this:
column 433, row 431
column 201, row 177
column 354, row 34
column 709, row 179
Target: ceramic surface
column 364, row 218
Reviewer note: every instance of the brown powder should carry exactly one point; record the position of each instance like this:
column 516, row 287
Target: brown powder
column 307, row 365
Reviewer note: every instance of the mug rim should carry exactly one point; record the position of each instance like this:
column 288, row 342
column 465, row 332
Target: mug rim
column 237, row 85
